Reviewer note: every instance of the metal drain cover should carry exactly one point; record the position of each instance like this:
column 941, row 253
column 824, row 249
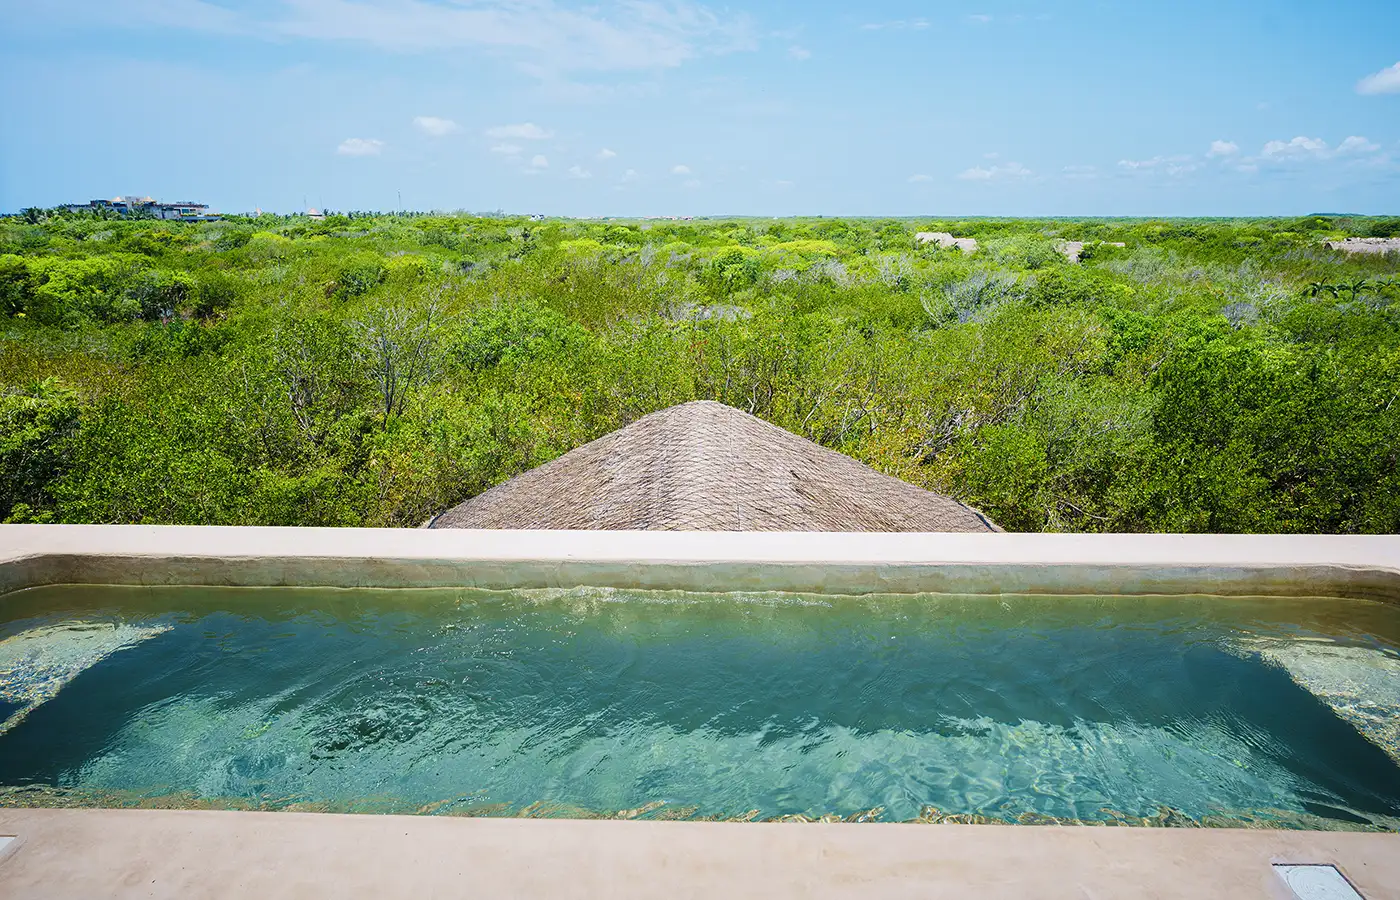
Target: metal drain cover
column 1317, row 882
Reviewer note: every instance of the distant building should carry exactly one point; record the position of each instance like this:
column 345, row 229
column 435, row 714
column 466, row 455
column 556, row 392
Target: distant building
column 182, row 211
column 315, row 215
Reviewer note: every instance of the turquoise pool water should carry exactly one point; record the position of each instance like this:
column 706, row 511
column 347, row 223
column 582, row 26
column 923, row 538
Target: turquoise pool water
column 598, row 702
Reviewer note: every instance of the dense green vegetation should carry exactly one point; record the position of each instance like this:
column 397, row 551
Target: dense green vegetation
column 1209, row 376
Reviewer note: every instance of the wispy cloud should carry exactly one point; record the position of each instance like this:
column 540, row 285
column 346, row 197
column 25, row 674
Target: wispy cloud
column 1386, row 81
column 579, row 172
column 1357, row 144
column 605, row 153
column 508, row 149
column 525, row 131
column 1228, row 156
column 539, row 161
column 559, row 35
column 916, row 179
column 360, row 147
column 1080, row 173
column 896, row 25
column 1012, row 171
column 1299, row 147
column 1311, row 148
column 1015, row 19
column 680, row 170
column 435, row 127
column 194, row 15
column 799, row 53
column 1171, row 165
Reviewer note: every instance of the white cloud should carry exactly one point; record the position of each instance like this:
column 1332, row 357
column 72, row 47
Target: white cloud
column 1302, row 149
column 691, row 184
column 435, row 127
column 680, row 170
column 1080, row 173
column 525, row 131
column 1297, row 148
column 799, row 53
column 360, row 147
column 629, row 176
column 784, row 183
column 508, row 149
column 1386, row 81
column 1011, row 170
column 979, row 18
column 579, row 172
column 913, row 179
column 539, row 161
column 1357, row 144
column 605, row 153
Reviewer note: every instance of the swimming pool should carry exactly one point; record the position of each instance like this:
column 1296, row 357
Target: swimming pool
column 1177, row 710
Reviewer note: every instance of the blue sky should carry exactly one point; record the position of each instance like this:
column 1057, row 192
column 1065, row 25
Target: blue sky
column 646, row 107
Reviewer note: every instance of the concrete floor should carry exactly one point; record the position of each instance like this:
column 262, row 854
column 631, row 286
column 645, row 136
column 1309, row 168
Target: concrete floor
column 188, row 854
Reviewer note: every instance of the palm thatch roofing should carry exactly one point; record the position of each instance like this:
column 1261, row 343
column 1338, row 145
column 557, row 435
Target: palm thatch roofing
column 704, row 466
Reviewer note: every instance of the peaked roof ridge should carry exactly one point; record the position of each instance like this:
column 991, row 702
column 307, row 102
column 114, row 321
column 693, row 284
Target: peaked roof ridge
column 705, row 466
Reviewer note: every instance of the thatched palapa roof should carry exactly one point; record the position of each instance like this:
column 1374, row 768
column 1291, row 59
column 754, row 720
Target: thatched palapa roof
column 704, row 466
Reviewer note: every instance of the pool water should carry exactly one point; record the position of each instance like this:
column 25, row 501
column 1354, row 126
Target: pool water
column 1154, row 710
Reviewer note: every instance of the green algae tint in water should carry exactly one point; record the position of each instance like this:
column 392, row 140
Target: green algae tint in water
column 595, row 702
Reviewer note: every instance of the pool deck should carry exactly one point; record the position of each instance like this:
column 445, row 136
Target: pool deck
column 160, row 853
column 187, row 854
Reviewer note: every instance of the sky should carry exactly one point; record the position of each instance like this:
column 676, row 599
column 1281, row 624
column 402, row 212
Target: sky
column 672, row 107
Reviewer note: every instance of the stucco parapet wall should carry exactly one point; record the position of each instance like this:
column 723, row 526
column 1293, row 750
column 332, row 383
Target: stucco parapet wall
column 1292, row 565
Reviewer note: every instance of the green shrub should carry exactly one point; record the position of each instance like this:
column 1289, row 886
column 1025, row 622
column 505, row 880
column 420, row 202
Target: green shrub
column 161, row 294
column 16, row 285
column 733, row 269
column 362, row 273
column 37, row 426
column 514, row 333
column 1023, row 252
column 215, row 293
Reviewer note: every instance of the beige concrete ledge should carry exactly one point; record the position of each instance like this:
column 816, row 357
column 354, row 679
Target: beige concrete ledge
column 1292, row 565
column 148, row 853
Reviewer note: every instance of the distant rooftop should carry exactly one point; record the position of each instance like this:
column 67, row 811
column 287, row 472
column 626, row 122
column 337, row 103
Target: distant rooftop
column 180, row 209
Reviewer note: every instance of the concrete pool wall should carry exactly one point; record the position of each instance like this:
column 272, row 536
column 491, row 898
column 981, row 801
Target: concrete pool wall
column 1361, row 567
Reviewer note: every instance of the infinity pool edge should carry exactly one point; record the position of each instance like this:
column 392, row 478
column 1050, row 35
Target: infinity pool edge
column 1353, row 567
